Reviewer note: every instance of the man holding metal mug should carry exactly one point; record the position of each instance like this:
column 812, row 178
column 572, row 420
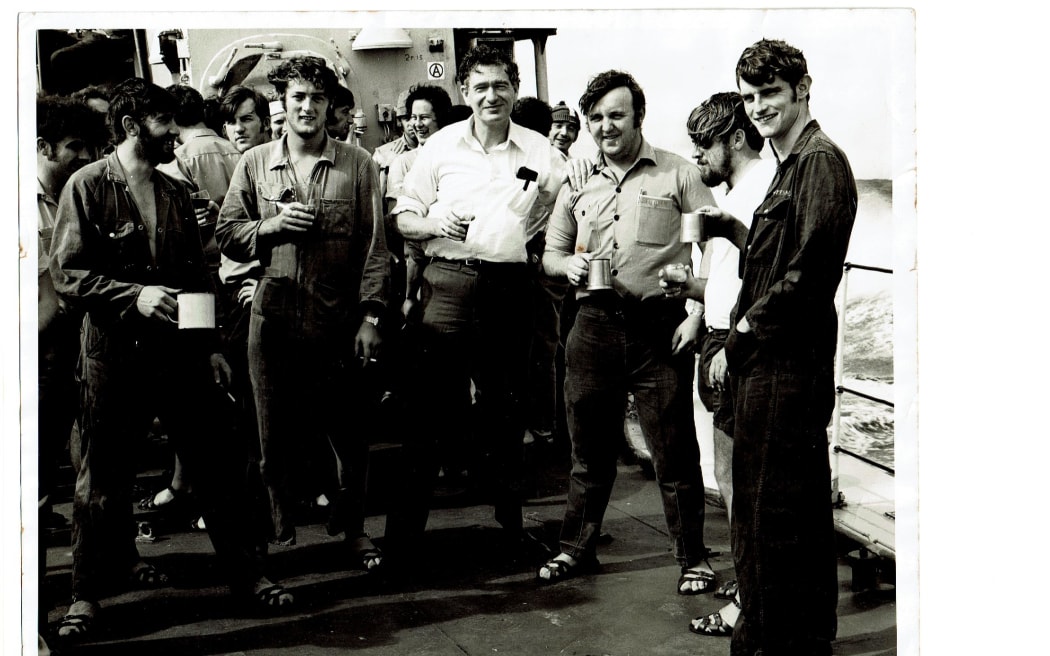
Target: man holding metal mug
column 610, row 240
column 308, row 208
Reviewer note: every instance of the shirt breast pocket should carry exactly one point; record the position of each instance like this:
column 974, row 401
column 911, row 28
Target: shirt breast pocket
column 271, row 195
column 123, row 241
column 337, row 217
column 658, row 220
column 770, row 230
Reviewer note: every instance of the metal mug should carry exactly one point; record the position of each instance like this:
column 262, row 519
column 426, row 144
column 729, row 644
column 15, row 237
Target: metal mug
column 599, row 274
column 692, row 227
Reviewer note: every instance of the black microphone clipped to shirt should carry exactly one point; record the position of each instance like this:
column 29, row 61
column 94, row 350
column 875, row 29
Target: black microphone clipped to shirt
column 528, row 175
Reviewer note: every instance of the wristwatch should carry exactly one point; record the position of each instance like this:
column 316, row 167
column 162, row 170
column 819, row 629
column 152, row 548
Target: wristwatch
column 373, row 320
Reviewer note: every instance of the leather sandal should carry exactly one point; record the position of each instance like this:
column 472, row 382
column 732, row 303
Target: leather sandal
column 274, row 598
column 148, row 576
column 727, row 590
column 560, row 570
column 368, row 555
column 689, row 575
column 711, row 625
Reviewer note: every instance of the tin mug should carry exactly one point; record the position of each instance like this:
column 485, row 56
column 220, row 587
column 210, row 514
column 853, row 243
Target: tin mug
column 692, row 227
column 599, row 274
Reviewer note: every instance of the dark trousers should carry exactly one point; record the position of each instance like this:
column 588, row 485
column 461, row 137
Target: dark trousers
column 304, row 389
column 58, row 399
column 57, row 404
column 122, row 391
column 547, row 295
column 476, row 327
column 782, row 531
column 612, row 350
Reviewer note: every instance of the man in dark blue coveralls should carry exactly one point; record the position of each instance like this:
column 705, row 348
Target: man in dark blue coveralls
column 780, row 354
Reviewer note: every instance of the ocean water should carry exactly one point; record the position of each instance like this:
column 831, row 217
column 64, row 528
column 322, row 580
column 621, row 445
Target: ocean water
column 867, row 426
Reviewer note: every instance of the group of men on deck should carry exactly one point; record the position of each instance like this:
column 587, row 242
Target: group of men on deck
column 307, row 212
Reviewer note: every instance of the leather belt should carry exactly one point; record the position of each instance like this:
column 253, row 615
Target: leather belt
column 473, row 263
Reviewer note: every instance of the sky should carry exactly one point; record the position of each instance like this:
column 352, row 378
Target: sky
column 861, row 62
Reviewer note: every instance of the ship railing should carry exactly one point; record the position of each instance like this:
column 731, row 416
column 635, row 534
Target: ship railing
column 836, row 423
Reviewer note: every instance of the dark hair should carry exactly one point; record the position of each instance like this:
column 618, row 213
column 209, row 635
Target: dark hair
column 532, row 113
column 212, row 117
column 483, row 55
column 719, row 117
column 767, row 59
column 436, row 96
column 339, row 96
column 304, row 69
column 458, row 113
column 61, row 117
column 190, row 105
column 138, row 99
column 603, row 83
column 92, row 92
column 235, row 96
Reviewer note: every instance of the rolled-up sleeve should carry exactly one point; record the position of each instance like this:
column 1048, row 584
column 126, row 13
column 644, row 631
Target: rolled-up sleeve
column 561, row 232
column 420, row 188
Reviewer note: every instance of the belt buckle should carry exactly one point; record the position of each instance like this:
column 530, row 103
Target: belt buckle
column 472, row 262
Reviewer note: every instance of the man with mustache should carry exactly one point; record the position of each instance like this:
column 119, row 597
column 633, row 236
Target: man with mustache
column 627, row 337
column 315, row 316
column 468, row 199
column 726, row 146
column 126, row 243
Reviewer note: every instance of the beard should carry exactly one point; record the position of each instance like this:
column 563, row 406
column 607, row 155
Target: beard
column 155, row 150
column 712, row 175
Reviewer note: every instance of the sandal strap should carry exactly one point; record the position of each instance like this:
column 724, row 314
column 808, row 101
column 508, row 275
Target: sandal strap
column 272, row 594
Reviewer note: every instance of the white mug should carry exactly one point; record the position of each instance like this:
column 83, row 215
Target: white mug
column 196, row 310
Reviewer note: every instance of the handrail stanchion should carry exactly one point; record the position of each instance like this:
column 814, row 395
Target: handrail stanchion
column 836, row 420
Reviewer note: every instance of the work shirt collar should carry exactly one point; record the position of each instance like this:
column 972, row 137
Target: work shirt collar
column 800, row 143
column 115, row 173
column 279, row 153
column 514, row 136
column 645, row 154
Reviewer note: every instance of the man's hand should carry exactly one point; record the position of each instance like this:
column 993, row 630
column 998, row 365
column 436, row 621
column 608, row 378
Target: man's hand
column 407, row 306
column 206, row 215
column 398, row 147
column 367, row 343
column 719, row 223
column 294, row 217
column 716, row 373
column 685, row 334
column 742, row 326
column 453, row 226
column 577, row 267
column 577, row 172
column 157, row 301
column 221, row 371
column 246, row 293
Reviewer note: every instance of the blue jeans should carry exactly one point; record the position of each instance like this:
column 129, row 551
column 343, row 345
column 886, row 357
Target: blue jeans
column 782, row 531
column 477, row 326
column 611, row 350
